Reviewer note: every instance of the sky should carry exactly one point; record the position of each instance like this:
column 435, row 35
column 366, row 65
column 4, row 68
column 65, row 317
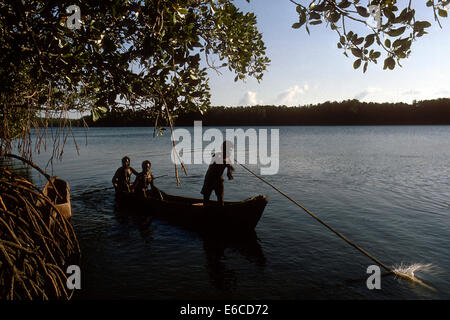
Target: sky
column 309, row 69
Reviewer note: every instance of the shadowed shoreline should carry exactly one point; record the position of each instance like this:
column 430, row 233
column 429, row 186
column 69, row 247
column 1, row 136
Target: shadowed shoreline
column 349, row 112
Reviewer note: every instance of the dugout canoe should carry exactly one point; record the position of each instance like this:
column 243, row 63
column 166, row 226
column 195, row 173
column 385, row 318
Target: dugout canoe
column 237, row 216
column 60, row 199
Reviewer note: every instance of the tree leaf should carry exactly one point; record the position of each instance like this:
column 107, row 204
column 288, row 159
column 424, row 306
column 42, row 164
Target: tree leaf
column 362, row 11
column 396, row 32
column 356, row 52
column 357, row 64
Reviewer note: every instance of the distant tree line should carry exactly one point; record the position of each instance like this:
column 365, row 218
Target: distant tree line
column 349, row 112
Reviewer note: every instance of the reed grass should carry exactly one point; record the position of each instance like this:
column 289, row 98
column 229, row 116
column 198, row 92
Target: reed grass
column 36, row 245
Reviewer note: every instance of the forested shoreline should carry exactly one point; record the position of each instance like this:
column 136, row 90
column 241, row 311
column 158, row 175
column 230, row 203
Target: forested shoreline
column 349, row 112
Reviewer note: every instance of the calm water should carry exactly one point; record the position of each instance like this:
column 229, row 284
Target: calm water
column 385, row 188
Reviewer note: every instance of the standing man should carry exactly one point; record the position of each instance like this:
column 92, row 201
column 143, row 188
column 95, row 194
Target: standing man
column 121, row 179
column 213, row 178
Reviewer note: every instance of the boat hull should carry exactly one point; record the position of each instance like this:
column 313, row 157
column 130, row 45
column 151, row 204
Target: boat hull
column 236, row 216
column 61, row 202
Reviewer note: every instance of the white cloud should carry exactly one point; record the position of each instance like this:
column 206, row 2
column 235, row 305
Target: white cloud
column 289, row 97
column 412, row 92
column 443, row 92
column 250, row 99
column 365, row 93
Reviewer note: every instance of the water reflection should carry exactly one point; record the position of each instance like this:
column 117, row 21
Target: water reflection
column 216, row 247
column 144, row 223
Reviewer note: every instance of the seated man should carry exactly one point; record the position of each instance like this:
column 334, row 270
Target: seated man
column 213, row 178
column 143, row 180
column 121, row 179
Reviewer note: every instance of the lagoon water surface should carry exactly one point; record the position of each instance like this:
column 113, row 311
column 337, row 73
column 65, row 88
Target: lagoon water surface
column 387, row 188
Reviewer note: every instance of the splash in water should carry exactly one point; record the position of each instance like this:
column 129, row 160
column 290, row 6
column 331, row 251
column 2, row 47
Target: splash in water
column 405, row 271
column 409, row 270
